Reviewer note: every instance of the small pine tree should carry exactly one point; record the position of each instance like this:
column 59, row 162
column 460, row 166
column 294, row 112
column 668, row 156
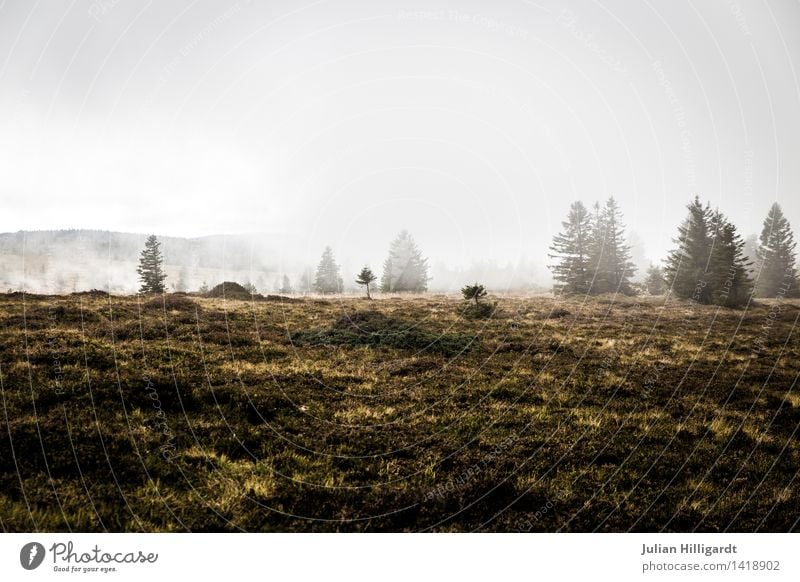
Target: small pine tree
column 473, row 293
column 327, row 279
column 654, row 282
column 151, row 267
column 570, row 249
column 685, row 269
column 405, row 270
column 365, row 278
column 776, row 271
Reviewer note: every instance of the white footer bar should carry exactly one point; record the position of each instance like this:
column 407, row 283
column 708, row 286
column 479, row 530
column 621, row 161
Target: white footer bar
column 355, row 557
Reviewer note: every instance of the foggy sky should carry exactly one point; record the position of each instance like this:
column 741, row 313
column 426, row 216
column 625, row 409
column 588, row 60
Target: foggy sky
column 472, row 124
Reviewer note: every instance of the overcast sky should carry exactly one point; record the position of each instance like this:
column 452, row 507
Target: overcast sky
column 472, row 124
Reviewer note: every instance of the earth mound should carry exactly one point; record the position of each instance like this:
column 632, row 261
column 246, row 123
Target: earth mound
column 230, row 290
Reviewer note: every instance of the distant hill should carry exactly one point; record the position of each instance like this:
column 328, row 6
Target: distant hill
column 62, row 261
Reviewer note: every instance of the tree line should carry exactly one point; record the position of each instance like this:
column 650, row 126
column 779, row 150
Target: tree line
column 708, row 263
column 405, row 270
column 590, row 253
column 590, row 257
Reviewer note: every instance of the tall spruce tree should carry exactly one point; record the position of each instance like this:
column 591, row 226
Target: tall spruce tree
column 570, row 250
column 776, row 269
column 596, row 248
column 405, row 270
column 728, row 279
column 151, row 267
column 328, row 279
column 610, row 255
column 685, row 268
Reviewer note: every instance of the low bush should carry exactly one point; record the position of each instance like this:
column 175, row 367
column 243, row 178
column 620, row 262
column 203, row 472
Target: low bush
column 479, row 310
column 172, row 302
column 372, row 328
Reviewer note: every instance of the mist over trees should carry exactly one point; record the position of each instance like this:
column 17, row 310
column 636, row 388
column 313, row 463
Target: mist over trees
column 306, row 283
column 610, row 256
column 751, row 252
column 591, row 254
column 365, row 278
column 286, row 286
column 182, row 284
column 521, row 275
column 685, row 267
column 730, row 282
column 328, row 278
column 405, row 270
column 708, row 264
column 151, row 267
column 638, row 256
column 64, row 261
column 654, row 280
column 775, row 256
column 474, row 292
column 570, row 249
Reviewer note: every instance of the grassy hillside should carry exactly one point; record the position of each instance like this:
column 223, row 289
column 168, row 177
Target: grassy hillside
column 399, row 414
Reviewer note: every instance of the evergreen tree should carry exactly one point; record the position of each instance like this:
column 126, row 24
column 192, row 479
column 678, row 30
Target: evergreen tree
column 286, row 286
column 306, row 280
column 474, row 293
column 327, row 279
column 776, row 271
column 596, row 247
column 570, row 249
column 728, row 280
column 366, row 277
column 404, row 269
column 654, row 282
column 610, row 255
column 638, row 258
column 151, row 267
column 685, row 269
column 751, row 252
column 182, row 285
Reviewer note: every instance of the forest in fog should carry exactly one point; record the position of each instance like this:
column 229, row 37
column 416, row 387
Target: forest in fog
column 593, row 254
